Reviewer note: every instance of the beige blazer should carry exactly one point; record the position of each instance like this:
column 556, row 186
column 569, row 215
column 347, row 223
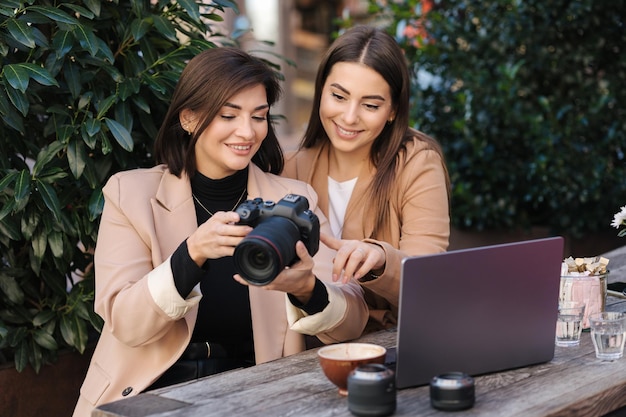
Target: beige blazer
column 419, row 224
column 147, row 325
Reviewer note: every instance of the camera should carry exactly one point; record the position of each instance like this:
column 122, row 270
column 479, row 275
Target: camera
column 271, row 245
column 372, row 391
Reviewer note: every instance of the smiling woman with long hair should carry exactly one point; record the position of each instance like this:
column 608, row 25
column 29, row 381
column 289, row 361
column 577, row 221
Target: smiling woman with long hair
column 383, row 185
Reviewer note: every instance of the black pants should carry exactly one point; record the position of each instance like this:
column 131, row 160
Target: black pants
column 194, row 364
column 185, row 370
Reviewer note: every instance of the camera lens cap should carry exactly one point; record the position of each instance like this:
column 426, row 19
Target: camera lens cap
column 452, row 391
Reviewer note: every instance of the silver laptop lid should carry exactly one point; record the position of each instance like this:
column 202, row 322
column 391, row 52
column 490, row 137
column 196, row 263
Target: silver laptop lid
column 478, row 310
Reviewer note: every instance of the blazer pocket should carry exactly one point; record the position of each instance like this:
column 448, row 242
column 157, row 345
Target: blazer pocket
column 96, row 383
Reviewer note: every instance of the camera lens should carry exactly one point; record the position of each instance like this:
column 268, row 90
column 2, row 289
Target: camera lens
column 452, row 391
column 267, row 250
column 372, row 391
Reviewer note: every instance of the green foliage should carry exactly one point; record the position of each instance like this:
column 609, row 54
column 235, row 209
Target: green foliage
column 83, row 87
column 527, row 98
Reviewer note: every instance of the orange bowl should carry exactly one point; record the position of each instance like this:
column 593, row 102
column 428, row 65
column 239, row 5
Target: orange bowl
column 338, row 360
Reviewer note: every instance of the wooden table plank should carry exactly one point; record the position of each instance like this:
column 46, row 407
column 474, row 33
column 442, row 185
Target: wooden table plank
column 574, row 383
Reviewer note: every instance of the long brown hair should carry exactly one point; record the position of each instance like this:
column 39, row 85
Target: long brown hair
column 379, row 51
column 206, row 84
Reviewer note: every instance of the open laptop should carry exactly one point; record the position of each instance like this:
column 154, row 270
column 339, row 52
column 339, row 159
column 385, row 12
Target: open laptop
column 478, row 310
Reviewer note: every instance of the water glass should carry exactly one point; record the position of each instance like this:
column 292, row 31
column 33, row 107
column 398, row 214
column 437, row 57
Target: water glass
column 608, row 332
column 569, row 323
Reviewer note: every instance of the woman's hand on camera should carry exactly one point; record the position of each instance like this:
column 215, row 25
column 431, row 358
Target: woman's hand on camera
column 297, row 279
column 354, row 258
column 217, row 237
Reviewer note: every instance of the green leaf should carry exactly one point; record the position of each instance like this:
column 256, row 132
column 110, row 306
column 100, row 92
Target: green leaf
column 29, row 223
column 105, row 52
column 17, row 76
column 9, row 228
column 74, row 331
column 18, row 99
column 52, row 175
column 64, row 133
column 54, row 14
column 35, row 357
column 94, row 6
column 11, row 289
column 228, row 4
column 50, row 198
column 113, row 73
column 103, row 106
column 21, row 32
column 139, row 27
column 128, row 88
column 82, row 11
column 96, row 204
column 45, row 340
column 39, row 245
column 154, row 83
column 43, row 317
column 71, row 73
column 55, row 242
column 12, row 4
column 41, row 75
column 62, row 42
column 76, row 157
column 87, row 39
column 191, row 7
column 8, row 179
column 92, row 126
column 22, row 186
column 165, row 27
column 141, row 103
column 21, row 356
column 46, row 155
column 121, row 135
column 7, row 209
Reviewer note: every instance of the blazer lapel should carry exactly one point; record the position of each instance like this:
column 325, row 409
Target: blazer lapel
column 174, row 212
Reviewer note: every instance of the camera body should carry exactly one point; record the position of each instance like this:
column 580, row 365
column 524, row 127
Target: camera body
column 270, row 247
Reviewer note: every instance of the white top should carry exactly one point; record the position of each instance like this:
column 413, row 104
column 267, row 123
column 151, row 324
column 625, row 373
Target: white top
column 339, row 194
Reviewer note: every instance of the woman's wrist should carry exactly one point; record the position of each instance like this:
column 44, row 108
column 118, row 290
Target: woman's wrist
column 304, row 295
column 194, row 252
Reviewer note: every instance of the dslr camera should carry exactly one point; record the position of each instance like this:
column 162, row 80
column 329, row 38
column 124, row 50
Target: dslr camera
column 271, row 246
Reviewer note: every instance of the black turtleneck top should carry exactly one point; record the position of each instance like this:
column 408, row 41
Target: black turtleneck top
column 224, row 311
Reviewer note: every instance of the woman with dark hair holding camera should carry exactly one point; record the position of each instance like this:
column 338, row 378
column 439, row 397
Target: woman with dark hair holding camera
column 383, row 186
column 166, row 287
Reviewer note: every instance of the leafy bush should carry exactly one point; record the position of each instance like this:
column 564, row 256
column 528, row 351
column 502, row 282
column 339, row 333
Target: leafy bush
column 527, row 98
column 83, row 87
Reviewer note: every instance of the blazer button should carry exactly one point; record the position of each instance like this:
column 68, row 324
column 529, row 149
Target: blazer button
column 127, row 391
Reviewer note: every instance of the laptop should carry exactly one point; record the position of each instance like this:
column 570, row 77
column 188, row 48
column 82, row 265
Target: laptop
column 477, row 310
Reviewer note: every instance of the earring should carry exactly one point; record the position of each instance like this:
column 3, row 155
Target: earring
column 390, row 121
column 185, row 128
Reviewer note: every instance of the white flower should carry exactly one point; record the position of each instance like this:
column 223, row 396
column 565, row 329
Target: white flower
column 620, row 220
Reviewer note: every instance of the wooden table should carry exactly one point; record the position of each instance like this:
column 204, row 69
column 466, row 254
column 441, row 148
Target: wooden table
column 574, row 383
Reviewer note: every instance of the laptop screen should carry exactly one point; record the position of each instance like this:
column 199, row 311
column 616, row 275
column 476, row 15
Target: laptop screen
column 478, row 310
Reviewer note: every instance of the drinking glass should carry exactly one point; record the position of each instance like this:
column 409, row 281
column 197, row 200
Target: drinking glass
column 608, row 332
column 569, row 323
